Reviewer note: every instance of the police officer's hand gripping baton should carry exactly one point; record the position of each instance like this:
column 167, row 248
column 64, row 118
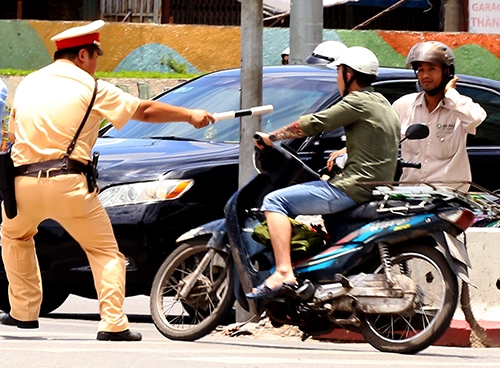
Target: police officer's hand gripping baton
column 258, row 110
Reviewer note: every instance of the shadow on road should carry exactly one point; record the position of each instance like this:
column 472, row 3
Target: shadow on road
column 134, row 318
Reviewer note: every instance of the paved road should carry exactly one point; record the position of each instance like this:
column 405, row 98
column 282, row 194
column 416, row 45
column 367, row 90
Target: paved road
column 67, row 339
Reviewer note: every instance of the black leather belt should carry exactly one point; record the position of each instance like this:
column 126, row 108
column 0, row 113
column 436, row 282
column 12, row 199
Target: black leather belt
column 51, row 168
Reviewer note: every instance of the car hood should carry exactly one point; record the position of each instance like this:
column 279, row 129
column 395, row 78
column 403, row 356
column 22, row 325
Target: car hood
column 132, row 160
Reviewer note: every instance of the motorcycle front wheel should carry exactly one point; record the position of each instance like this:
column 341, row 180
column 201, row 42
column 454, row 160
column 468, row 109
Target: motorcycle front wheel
column 208, row 303
column 433, row 308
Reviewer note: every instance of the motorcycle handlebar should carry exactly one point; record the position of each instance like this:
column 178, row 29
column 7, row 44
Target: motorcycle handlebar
column 257, row 138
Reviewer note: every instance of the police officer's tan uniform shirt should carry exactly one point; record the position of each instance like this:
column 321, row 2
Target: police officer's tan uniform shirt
column 45, row 123
column 443, row 154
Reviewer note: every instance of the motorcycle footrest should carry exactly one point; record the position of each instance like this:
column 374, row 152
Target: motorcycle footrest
column 341, row 279
column 306, row 290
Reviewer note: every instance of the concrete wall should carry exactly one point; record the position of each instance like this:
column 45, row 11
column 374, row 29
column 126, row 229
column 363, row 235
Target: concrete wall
column 26, row 45
column 482, row 244
column 149, row 87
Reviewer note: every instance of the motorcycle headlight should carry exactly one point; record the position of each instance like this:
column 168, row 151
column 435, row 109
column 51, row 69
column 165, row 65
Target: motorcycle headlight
column 151, row 191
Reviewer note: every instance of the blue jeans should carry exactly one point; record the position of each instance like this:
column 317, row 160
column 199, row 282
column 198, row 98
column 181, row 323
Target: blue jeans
column 317, row 197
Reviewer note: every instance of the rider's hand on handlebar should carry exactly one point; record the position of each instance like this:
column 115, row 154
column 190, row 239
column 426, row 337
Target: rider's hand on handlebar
column 264, row 139
column 331, row 160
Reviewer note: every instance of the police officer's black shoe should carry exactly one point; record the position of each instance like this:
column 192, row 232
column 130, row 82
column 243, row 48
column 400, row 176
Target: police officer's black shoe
column 7, row 319
column 126, row 335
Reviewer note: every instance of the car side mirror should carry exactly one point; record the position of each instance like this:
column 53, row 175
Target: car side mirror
column 416, row 131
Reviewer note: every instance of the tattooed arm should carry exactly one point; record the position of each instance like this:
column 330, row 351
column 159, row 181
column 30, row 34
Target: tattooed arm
column 287, row 132
column 290, row 131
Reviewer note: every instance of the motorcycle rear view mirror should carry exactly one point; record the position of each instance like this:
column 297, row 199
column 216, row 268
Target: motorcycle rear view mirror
column 416, row 131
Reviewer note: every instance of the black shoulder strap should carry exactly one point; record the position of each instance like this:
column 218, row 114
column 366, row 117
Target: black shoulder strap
column 72, row 145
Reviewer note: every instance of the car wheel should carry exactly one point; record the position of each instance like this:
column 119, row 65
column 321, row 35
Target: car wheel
column 4, row 297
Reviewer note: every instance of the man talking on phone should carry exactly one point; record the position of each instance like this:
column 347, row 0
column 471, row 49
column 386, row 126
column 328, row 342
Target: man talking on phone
column 449, row 115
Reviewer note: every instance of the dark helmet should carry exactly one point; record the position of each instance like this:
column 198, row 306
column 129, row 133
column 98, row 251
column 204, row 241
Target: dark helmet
column 432, row 52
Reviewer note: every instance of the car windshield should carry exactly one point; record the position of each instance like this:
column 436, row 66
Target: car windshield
column 290, row 95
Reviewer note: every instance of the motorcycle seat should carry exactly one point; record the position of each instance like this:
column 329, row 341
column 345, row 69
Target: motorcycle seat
column 370, row 211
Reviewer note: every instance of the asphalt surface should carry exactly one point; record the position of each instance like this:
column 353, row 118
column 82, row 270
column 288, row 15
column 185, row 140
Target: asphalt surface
column 66, row 338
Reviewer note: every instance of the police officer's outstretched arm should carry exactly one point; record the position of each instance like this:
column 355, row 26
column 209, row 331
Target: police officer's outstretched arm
column 158, row 112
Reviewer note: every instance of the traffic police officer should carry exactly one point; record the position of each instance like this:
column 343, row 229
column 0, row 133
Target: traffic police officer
column 48, row 107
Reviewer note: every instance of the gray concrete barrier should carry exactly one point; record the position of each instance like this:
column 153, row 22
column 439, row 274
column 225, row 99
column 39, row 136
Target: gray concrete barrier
column 484, row 252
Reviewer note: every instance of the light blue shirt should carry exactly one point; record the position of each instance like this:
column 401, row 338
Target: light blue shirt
column 3, row 97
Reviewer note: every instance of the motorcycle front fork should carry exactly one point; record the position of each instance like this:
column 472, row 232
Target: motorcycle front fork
column 190, row 280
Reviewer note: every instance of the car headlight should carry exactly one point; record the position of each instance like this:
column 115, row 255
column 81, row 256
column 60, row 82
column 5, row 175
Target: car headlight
column 151, row 191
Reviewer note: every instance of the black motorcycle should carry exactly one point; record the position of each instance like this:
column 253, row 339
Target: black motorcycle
column 387, row 269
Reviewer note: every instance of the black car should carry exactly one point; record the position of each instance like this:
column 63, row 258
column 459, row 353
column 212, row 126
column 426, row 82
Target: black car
column 157, row 181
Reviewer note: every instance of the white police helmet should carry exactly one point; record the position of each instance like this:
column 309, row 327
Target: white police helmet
column 359, row 59
column 326, row 52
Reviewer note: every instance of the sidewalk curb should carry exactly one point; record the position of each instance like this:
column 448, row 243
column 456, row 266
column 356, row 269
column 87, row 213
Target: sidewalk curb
column 457, row 335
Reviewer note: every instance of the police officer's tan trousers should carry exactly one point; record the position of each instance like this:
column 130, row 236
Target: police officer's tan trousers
column 65, row 199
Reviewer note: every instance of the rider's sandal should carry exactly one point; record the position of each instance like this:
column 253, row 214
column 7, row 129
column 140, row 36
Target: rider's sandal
column 264, row 291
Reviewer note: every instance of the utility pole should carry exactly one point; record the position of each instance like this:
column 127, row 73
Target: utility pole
column 452, row 10
column 252, row 18
column 306, row 31
column 306, row 28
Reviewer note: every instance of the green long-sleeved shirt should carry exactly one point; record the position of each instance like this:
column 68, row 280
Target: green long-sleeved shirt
column 372, row 129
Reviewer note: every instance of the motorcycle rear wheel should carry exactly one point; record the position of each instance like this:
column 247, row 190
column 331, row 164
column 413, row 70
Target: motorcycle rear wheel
column 434, row 305
column 205, row 307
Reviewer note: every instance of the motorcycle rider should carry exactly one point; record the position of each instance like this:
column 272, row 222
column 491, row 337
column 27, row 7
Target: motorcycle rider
column 326, row 52
column 370, row 123
column 449, row 116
